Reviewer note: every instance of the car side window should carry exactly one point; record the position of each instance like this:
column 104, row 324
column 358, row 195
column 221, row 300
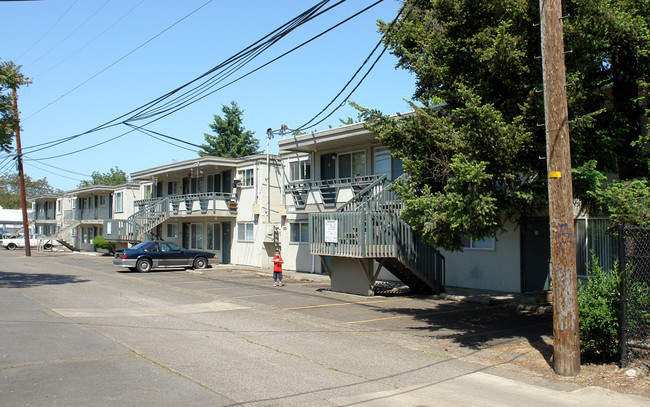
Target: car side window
column 153, row 247
column 165, row 247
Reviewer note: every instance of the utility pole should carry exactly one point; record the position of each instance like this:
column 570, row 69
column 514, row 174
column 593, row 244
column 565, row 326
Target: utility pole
column 21, row 175
column 566, row 348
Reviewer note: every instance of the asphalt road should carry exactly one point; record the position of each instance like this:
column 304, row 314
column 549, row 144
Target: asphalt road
column 76, row 331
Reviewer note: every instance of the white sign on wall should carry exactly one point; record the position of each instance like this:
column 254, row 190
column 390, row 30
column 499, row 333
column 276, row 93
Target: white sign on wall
column 331, row 231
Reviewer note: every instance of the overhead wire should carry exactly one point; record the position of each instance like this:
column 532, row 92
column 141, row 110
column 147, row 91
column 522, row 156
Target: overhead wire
column 59, row 175
column 114, row 122
column 307, row 126
column 149, row 131
column 32, row 160
column 90, row 41
column 71, row 33
column 120, row 59
column 48, row 30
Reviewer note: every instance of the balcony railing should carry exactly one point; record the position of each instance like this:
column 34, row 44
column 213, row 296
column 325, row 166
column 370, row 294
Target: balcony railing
column 190, row 203
column 43, row 214
column 329, row 189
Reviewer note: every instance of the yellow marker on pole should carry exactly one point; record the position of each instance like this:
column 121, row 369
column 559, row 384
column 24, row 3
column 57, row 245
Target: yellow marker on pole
column 555, row 174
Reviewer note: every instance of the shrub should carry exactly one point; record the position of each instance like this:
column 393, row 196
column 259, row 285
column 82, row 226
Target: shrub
column 101, row 243
column 599, row 302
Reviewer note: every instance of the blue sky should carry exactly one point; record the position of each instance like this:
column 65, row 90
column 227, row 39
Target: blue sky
column 62, row 44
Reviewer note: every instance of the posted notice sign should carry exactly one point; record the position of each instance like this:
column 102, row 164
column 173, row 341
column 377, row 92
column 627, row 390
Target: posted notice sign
column 331, row 231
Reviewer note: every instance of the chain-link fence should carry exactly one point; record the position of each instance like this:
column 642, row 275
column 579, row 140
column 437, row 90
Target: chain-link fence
column 634, row 257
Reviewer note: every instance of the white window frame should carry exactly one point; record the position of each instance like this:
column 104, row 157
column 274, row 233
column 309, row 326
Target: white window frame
column 211, row 228
column 245, row 231
column 303, row 232
column 247, row 177
column 59, row 204
column 300, row 170
column 118, row 202
column 173, row 227
column 471, row 244
column 352, row 155
column 196, row 236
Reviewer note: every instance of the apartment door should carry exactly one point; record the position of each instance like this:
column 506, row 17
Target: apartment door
column 226, row 242
column 185, row 235
column 227, row 181
column 327, row 166
column 536, row 255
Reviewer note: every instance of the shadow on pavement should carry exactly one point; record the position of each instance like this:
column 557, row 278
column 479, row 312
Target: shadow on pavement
column 479, row 326
column 24, row 280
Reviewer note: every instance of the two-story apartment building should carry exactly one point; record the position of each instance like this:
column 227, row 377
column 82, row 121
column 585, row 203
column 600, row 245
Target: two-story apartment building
column 76, row 216
column 229, row 206
column 346, row 169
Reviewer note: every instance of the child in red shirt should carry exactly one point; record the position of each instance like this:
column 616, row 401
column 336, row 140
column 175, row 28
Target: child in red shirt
column 277, row 269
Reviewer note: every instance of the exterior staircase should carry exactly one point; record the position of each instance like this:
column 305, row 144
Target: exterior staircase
column 138, row 226
column 65, row 237
column 369, row 227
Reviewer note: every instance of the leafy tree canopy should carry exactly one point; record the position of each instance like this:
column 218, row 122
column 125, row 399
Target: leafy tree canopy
column 10, row 78
column 10, row 189
column 478, row 158
column 231, row 139
column 114, row 176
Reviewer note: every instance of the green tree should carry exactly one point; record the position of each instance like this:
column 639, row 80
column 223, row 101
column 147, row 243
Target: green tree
column 10, row 189
column 231, row 139
column 10, row 79
column 478, row 159
column 114, row 176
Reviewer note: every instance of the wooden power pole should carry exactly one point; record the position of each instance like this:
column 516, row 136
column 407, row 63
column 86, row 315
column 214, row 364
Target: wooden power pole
column 566, row 350
column 21, row 176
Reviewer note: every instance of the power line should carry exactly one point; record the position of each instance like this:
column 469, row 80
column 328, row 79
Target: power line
column 49, row 171
column 114, row 122
column 118, row 60
column 91, row 41
column 71, row 33
column 48, row 30
column 32, row 160
column 147, row 132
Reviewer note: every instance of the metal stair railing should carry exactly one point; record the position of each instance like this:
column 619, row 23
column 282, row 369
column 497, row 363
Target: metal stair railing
column 362, row 196
column 148, row 218
column 65, row 236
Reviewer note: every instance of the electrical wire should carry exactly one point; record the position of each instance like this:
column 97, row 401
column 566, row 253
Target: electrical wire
column 48, row 30
column 114, row 122
column 71, row 33
column 120, row 59
column 147, row 132
column 89, row 42
column 49, row 171
column 306, row 125
column 31, row 161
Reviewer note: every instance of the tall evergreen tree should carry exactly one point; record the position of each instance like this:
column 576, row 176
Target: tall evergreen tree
column 231, row 139
column 477, row 159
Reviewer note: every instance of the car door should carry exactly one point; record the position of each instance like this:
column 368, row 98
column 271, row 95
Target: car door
column 153, row 252
column 173, row 255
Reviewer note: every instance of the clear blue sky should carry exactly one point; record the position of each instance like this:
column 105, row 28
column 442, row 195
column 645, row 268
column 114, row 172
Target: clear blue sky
column 63, row 43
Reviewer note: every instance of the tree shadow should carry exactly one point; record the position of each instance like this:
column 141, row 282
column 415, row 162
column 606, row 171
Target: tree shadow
column 481, row 326
column 24, row 280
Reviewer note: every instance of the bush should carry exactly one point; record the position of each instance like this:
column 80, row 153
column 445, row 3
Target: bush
column 101, row 243
column 599, row 311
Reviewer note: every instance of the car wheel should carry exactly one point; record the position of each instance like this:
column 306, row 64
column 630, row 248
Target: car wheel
column 47, row 246
column 200, row 263
column 143, row 266
column 11, row 246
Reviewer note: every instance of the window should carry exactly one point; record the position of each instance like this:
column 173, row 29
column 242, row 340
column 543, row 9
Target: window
column 196, row 236
column 58, row 206
column 213, row 236
column 352, row 164
column 385, row 164
column 214, row 183
column 245, row 232
column 246, row 176
column 147, row 192
column 299, row 232
column 172, row 230
column 118, row 202
column 172, row 186
column 299, row 170
column 74, row 203
column 485, row 244
column 102, row 200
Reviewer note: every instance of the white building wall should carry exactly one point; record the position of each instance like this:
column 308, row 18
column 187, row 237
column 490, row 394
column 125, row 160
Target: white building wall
column 497, row 269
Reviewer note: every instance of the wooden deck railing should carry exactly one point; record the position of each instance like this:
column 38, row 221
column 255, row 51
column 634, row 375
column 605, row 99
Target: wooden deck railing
column 376, row 235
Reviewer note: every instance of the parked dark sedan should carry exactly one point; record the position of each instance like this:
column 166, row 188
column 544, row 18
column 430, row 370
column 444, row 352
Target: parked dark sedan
column 148, row 255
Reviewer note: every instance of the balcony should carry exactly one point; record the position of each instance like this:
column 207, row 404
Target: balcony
column 191, row 204
column 44, row 215
column 329, row 193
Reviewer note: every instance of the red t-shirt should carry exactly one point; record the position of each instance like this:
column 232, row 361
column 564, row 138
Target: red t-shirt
column 277, row 264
